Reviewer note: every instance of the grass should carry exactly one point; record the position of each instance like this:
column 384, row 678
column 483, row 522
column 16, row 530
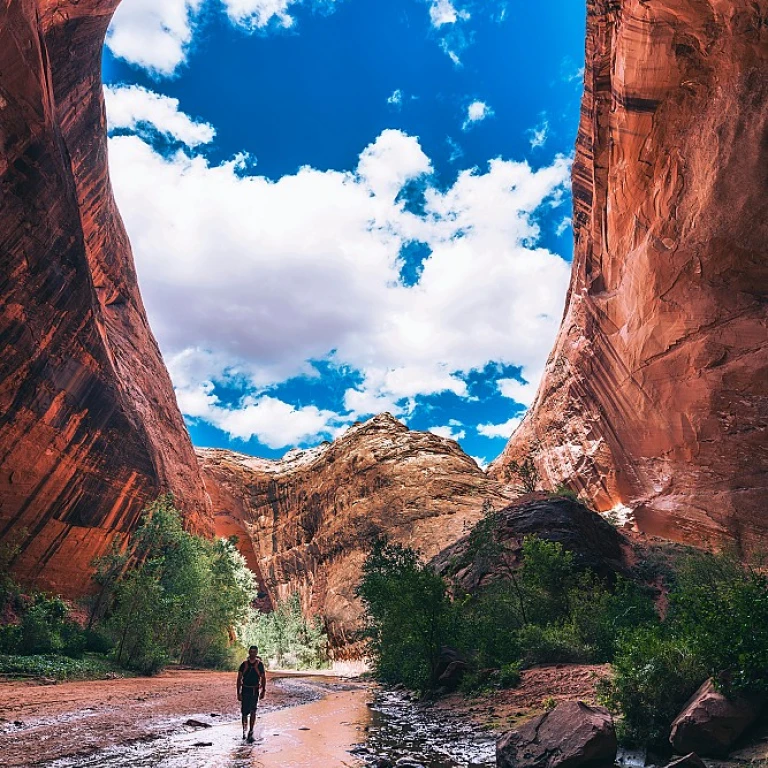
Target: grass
column 89, row 667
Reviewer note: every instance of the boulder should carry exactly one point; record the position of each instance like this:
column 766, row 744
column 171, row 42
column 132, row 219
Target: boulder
column 572, row 735
column 451, row 667
column 711, row 722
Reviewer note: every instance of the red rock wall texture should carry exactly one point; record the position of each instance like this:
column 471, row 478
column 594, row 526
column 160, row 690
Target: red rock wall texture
column 656, row 393
column 311, row 517
column 89, row 427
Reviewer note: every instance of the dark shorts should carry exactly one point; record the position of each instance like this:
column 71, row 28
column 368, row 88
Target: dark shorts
column 250, row 701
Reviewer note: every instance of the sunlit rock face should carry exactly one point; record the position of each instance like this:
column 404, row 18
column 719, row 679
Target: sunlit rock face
column 655, row 397
column 89, row 427
column 311, row 516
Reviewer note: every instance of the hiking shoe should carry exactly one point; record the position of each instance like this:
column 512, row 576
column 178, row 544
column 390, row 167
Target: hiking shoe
column 250, row 738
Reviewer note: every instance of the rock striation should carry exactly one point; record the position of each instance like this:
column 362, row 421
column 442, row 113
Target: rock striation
column 655, row 397
column 305, row 522
column 89, row 426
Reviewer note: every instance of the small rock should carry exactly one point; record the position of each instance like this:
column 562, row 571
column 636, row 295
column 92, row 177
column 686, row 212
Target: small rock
column 691, row 760
column 197, row 724
column 383, row 762
column 18, row 723
column 203, row 744
column 303, row 728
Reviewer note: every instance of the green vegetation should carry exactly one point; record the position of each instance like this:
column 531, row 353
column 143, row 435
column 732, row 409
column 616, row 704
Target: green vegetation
column 716, row 626
column 285, row 638
column 56, row 667
column 171, row 595
column 540, row 608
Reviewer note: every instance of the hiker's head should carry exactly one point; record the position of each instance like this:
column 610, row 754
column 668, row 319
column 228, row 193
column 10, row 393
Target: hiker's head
column 253, row 651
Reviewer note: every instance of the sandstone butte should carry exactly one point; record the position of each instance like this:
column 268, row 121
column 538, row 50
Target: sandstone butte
column 305, row 522
column 89, row 427
column 655, row 397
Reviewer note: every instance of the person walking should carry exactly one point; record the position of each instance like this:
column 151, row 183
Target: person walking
column 251, row 686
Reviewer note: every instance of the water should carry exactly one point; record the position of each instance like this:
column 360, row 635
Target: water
column 342, row 724
column 401, row 729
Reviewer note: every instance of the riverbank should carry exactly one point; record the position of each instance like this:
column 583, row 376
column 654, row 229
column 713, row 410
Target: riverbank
column 41, row 723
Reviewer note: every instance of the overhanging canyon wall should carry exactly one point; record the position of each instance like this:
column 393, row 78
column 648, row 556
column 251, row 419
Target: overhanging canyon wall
column 306, row 522
column 89, row 427
column 655, row 397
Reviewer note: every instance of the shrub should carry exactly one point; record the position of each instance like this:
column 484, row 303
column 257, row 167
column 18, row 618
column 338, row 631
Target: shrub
column 716, row 626
column 509, row 675
column 410, row 616
column 653, row 676
column 286, row 638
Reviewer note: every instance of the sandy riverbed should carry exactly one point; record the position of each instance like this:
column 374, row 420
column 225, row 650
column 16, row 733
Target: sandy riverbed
column 94, row 723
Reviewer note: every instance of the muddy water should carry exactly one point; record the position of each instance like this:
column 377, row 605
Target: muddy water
column 347, row 724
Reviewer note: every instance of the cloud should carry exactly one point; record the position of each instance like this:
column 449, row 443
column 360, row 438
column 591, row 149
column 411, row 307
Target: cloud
column 564, row 225
column 504, row 430
column 396, row 99
column 135, row 108
column 477, row 111
column 480, row 461
column 539, row 134
column 448, row 432
column 153, row 34
column 443, row 12
column 517, row 391
column 157, row 34
column 247, row 280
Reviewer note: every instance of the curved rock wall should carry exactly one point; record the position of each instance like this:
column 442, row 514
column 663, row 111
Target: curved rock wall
column 311, row 516
column 89, row 427
column 655, row 397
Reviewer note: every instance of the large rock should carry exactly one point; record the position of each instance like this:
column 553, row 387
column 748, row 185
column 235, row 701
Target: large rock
column 572, row 735
column 595, row 543
column 655, row 397
column 306, row 521
column 710, row 723
column 89, row 427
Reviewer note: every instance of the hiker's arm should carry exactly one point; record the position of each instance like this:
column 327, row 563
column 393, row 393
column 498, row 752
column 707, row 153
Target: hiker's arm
column 263, row 682
column 240, row 684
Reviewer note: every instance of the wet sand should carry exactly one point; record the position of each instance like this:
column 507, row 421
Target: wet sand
column 140, row 721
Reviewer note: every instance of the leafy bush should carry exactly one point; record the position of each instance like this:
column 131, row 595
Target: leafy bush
column 509, row 675
column 653, row 676
column 716, row 626
column 285, row 638
column 410, row 616
column 59, row 667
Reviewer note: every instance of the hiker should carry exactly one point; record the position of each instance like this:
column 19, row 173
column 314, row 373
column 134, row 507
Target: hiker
column 251, row 685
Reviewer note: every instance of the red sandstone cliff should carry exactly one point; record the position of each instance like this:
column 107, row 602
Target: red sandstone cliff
column 655, row 396
column 305, row 522
column 89, row 427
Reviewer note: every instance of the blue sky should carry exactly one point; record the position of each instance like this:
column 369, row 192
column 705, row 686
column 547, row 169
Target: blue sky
column 342, row 207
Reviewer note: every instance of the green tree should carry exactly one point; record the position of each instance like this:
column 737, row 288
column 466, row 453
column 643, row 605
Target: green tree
column 410, row 616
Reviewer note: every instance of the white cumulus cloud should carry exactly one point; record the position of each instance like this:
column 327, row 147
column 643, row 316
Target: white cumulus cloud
column 504, row 430
column 517, row 391
column 136, row 108
column 476, row 112
column 443, row 12
column 247, row 280
column 157, row 34
column 449, row 432
column 153, row 34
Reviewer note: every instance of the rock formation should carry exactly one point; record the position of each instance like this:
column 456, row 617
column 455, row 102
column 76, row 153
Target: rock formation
column 594, row 542
column 89, row 427
column 305, row 522
column 655, row 397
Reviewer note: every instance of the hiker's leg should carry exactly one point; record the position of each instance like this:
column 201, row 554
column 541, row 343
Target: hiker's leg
column 253, row 720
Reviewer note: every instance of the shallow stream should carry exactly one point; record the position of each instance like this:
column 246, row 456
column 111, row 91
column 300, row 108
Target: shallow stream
column 342, row 724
